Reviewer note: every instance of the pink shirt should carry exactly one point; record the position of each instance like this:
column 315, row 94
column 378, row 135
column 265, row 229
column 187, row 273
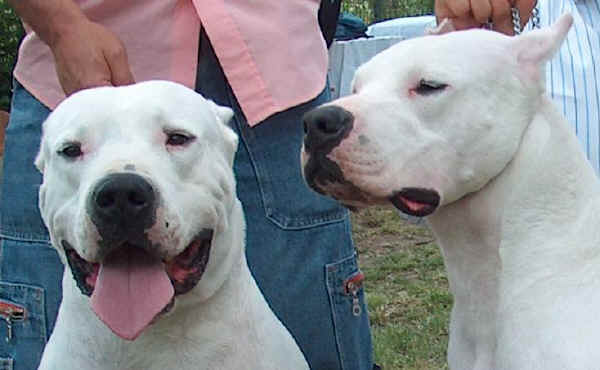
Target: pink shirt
column 271, row 51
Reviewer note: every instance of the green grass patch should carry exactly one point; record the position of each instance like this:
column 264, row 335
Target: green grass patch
column 407, row 290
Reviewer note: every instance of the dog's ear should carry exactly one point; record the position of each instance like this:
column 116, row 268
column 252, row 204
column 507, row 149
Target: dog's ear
column 445, row 26
column 535, row 48
column 231, row 140
column 225, row 114
column 40, row 159
column 40, row 162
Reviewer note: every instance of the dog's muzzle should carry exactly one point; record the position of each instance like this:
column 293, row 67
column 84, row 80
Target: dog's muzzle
column 133, row 282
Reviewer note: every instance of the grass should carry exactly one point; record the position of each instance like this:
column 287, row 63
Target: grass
column 407, row 290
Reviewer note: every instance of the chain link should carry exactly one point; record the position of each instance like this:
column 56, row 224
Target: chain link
column 516, row 18
column 535, row 16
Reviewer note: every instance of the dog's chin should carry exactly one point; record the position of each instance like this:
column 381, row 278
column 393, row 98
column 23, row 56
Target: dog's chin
column 184, row 270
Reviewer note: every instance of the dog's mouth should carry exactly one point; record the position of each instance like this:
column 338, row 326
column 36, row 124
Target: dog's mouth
column 131, row 287
column 418, row 202
column 326, row 178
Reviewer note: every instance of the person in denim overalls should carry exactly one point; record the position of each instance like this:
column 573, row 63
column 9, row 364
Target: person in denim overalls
column 299, row 244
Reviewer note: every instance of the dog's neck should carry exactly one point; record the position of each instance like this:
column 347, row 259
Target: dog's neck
column 508, row 239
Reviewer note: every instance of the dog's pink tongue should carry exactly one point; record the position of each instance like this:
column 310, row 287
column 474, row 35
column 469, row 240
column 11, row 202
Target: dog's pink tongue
column 413, row 206
column 131, row 289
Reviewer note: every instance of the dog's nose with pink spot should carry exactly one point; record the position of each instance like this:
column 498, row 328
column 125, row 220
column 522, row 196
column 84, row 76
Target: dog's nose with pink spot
column 122, row 206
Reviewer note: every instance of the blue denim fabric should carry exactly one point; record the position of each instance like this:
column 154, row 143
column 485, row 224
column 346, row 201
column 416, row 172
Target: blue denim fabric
column 30, row 270
column 299, row 243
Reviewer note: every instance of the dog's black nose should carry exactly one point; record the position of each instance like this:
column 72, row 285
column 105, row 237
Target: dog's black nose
column 325, row 127
column 122, row 203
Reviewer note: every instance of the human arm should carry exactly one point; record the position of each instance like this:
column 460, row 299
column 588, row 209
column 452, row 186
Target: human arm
column 86, row 54
column 475, row 13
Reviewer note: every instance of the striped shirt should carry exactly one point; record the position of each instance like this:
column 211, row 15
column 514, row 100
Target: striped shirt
column 573, row 75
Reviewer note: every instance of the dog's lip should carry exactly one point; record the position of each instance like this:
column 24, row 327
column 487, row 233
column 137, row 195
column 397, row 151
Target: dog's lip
column 349, row 195
column 415, row 201
column 184, row 270
column 84, row 272
column 187, row 268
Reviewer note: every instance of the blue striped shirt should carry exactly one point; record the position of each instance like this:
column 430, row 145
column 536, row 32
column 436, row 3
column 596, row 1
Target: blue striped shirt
column 573, row 75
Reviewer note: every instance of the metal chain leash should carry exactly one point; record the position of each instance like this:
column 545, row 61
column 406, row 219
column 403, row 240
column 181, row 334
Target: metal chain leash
column 535, row 16
column 516, row 18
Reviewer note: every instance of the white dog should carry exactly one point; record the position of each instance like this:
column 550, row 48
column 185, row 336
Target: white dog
column 457, row 127
column 139, row 198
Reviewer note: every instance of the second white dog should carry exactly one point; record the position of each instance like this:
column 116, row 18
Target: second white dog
column 458, row 128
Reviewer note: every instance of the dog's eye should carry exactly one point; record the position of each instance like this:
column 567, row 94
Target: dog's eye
column 426, row 87
column 178, row 139
column 71, row 150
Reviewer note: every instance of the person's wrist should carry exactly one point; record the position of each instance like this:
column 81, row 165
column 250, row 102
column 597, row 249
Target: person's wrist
column 63, row 27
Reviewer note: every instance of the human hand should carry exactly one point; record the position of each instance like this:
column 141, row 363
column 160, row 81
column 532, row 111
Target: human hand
column 88, row 55
column 476, row 13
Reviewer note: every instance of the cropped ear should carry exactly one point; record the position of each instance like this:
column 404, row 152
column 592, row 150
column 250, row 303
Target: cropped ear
column 445, row 27
column 225, row 114
column 40, row 161
column 231, row 139
column 44, row 152
column 535, row 48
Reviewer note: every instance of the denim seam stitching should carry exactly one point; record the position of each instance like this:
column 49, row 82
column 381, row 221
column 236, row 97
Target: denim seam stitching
column 331, row 275
column 264, row 181
column 332, row 271
column 261, row 175
column 21, row 237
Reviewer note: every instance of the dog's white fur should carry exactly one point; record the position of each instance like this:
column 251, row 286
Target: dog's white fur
column 222, row 323
column 518, row 222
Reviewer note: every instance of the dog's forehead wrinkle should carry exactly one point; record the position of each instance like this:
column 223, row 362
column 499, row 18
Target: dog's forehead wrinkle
column 452, row 50
column 124, row 109
column 65, row 131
